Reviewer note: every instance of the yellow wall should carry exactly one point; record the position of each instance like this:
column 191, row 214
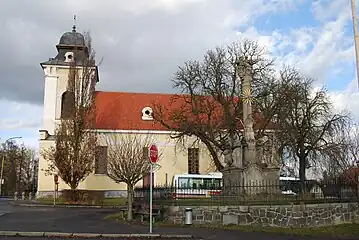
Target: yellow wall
column 173, row 161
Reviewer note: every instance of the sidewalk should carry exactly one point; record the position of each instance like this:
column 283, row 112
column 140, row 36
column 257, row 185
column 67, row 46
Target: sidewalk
column 34, row 203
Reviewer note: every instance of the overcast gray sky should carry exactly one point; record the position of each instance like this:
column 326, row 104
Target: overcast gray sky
column 142, row 42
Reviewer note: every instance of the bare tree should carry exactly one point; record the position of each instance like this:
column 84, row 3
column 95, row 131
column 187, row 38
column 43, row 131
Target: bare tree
column 72, row 157
column 18, row 165
column 128, row 161
column 210, row 105
column 12, row 154
column 28, row 169
column 340, row 158
column 307, row 121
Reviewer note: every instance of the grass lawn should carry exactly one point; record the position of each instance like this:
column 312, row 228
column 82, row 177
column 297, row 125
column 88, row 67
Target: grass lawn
column 342, row 230
column 106, row 202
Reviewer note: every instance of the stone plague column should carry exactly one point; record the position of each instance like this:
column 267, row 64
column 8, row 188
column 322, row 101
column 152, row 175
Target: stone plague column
column 234, row 174
column 245, row 73
column 254, row 171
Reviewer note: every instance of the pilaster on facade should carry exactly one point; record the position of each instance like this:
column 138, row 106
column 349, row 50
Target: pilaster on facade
column 50, row 98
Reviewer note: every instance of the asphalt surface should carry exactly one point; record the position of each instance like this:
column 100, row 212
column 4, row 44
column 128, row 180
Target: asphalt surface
column 36, row 238
column 80, row 220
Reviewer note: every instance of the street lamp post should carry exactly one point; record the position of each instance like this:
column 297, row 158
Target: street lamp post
column 2, row 163
column 356, row 35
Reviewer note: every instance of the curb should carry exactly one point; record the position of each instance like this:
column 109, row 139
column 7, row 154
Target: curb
column 63, row 206
column 90, row 235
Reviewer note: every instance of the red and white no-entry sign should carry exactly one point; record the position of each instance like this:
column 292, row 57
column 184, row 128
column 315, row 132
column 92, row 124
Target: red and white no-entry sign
column 153, row 153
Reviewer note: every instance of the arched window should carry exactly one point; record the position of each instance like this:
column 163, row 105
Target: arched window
column 67, row 104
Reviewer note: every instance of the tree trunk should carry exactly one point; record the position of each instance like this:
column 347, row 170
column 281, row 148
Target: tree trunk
column 302, row 165
column 75, row 197
column 73, row 185
column 19, row 188
column 129, row 201
column 214, row 154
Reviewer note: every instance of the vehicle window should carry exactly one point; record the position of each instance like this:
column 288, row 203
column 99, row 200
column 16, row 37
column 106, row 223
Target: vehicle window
column 197, row 183
column 183, row 182
column 217, row 184
column 207, row 183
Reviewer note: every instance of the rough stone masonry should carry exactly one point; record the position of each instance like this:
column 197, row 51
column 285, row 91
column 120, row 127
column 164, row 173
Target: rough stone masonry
column 280, row 216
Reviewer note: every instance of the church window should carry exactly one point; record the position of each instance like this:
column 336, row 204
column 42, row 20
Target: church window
column 147, row 113
column 101, row 160
column 193, row 160
column 67, row 105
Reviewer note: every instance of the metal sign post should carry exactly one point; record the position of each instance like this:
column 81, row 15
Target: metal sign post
column 1, row 184
column 151, row 179
column 56, row 182
column 153, row 155
column 54, row 194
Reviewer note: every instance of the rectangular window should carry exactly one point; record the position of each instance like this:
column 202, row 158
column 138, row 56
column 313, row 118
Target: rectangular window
column 197, row 183
column 101, row 160
column 217, row 184
column 183, row 183
column 193, row 160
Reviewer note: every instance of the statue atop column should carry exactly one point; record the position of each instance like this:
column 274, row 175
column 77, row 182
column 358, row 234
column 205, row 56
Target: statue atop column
column 233, row 152
column 244, row 69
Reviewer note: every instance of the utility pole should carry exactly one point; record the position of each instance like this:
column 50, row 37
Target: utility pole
column 356, row 36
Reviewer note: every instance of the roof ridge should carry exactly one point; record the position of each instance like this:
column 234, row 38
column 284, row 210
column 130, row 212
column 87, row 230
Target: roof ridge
column 147, row 93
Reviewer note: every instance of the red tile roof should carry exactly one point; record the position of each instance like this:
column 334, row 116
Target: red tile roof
column 123, row 110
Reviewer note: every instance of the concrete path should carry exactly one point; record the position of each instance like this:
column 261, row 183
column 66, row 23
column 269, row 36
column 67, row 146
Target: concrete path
column 73, row 220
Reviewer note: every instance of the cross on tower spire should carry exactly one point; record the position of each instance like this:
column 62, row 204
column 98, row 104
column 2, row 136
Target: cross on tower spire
column 74, row 26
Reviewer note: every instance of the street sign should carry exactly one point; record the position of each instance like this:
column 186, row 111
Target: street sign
column 56, row 179
column 155, row 167
column 153, row 152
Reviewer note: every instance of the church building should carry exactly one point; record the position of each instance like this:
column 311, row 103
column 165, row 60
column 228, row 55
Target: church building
column 117, row 113
column 123, row 113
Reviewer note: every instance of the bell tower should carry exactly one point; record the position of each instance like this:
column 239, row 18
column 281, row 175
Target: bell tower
column 72, row 50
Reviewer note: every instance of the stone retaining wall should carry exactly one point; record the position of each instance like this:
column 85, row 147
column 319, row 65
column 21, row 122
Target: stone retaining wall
column 281, row 216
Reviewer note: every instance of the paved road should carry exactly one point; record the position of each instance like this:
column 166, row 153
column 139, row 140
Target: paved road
column 48, row 219
column 4, row 206
column 103, row 238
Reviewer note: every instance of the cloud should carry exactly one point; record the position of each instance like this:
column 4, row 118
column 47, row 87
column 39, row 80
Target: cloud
column 314, row 50
column 21, row 120
column 143, row 42
column 19, row 115
column 347, row 100
column 16, row 124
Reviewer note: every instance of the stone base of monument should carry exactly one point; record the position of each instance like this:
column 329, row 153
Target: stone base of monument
column 232, row 181
column 250, row 180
